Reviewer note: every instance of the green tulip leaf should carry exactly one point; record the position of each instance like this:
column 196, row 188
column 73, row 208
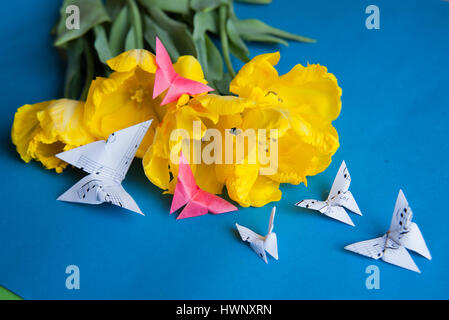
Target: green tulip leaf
column 152, row 30
column 72, row 87
column 175, row 6
column 204, row 21
column 114, row 7
column 252, row 27
column 92, row 13
column 170, row 30
column 264, row 38
column 101, row 44
column 255, row 1
column 236, row 44
column 200, row 5
column 119, row 31
column 130, row 42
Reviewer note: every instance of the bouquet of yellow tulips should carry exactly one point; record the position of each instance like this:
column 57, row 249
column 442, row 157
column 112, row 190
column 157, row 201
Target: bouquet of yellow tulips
column 298, row 106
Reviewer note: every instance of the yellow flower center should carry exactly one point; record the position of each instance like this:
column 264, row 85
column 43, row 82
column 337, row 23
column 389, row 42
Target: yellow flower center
column 138, row 94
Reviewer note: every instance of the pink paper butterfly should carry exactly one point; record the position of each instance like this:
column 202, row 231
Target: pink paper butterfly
column 199, row 202
column 167, row 78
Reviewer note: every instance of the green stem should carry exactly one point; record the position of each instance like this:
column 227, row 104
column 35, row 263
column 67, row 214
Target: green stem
column 223, row 12
column 89, row 70
column 137, row 24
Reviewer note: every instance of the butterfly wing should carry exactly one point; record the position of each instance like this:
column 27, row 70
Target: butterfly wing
column 192, row 209
column 110, row 159
column 313, row 205
column 85, row 157
column 122, row 145
column 340, row 194
column 338, row 213
column 186, row 186
column 182, row 86
column 115, row 194
column 255, row 241
column 373, row 248
column 84, row 191
column 165, row 73
column 402, row 215
column 203, row 202
column 271, row 245
column 414, row 240
column 213, row 203
column 94, row 189
column 399, row 256
column 270, row 224
column 341, row 182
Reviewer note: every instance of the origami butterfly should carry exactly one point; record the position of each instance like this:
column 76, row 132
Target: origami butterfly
column 259, row 243
column 107, row 163
column 339, row 197
column 402, row 235
column 198, row 202
column 167, row 78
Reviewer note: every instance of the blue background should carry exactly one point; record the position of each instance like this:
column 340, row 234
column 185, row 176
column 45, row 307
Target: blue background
column 393, row 132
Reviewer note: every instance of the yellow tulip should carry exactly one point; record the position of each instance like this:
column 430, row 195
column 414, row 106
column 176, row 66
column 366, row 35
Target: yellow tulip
column 42, row 130
column 300, row 105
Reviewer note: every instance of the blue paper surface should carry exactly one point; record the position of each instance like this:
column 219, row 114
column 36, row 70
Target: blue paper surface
column 393, row 133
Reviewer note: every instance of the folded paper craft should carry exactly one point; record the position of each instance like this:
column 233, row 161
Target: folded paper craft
column 198, row 202
column 167, row 78
column 402, row 235
column 339, row 198
column 259, row 243
column 107, row 163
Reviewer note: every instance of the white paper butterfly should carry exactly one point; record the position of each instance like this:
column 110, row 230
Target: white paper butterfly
column 402, row 235
column 107, row 163
column 259, row 243
column 339, row 198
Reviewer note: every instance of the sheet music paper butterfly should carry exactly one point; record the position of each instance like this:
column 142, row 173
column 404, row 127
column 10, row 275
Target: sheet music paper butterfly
column 339, row 198
column 259, row 243
column 402, row 235
column 107, row 163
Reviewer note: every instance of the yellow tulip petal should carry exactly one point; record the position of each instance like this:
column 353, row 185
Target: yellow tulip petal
column 298, row 159
column 156, row 169
column 317, row 132
column 310, row 90
column 223, row 105
column 266, row 118
column 123, row 100
column 129, row 60
column 42, row 130
column 240, row 183
column 63, row 120
column 190, row 68
column 263, row 191
column 256, row 77
column 25, row 124
column 44, row 150
column 206, row 179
